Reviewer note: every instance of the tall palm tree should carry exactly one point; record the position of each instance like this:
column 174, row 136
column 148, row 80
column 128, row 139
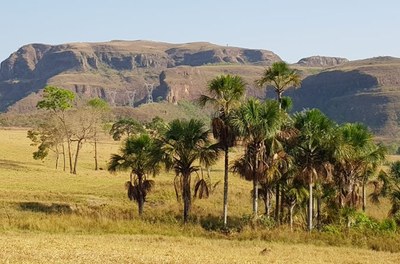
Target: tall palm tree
column 141, row 155
column 256, row 122
column 356, row 155
column 312, row 148
column 387, row 184
column 225, row 94
column 186, row 144
column 395, row 188
column 281, row 77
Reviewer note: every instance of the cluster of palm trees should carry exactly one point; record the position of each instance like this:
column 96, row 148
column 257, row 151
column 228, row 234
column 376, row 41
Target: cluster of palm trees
column 296, row 162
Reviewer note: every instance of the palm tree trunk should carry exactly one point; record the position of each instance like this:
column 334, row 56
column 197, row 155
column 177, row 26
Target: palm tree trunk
column 281, row 206
column 319, row 211
column 225, row 209
column 364, row 197
column 140, row 195
column 279, row 94
column 186, row 198
column 277, row 203
column 267, row 204
column 310, row 206
column 255, row 196
column 291, row 216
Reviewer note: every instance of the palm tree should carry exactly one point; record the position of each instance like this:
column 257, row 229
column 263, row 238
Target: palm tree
column 311, row 150
column 356, row 156
column 226, row 93
column 256, row 122
column 281, row 77
column 141, row 155
column 186, row 143
column 395, row 188
column 388, row 185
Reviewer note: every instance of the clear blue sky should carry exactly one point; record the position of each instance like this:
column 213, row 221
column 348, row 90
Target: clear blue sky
column 293, row 29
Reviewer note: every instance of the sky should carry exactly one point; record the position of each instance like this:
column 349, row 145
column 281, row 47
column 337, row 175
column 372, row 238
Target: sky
column 293, row 29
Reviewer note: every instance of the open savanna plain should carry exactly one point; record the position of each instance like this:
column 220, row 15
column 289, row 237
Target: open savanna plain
column 51, row 216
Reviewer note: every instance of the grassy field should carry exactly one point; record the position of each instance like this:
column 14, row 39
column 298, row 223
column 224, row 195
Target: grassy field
column 44, row 248
column 50, row 216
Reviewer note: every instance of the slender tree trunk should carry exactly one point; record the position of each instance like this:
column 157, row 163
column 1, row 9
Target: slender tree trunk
column 96, row 167
column 277, row 203
column 225, row 209
column 186, row 198
column 255, row 189
column 319, row 201
column 310, row 205
column 63, row 153
column 255, row 198
column 57, row 156
column 267, row 204
column 281, row 206
column 78, row 148
column 291, row 207
column 140, row 195
column 364, row 197
column 279, row 95
column 71, row 168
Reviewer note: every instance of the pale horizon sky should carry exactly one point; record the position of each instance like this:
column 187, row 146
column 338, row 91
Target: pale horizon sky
column 352, row 29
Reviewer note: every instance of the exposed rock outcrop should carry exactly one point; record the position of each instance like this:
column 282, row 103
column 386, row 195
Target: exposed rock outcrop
column 321, row 61
column 118, row 71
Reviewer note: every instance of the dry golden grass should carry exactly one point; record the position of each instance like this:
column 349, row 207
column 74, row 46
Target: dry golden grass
column 51, row 216
column 42, row 248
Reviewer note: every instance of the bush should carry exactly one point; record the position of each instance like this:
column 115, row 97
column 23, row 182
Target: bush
column 388, row 225
column 331, row 229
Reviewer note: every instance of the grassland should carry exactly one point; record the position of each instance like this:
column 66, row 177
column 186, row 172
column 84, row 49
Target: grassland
column 50, row 216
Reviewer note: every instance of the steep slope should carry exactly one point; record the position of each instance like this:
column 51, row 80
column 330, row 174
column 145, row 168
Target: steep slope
column 122, row 72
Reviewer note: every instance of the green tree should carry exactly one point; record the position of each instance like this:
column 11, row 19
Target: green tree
column 356, row 157
column 225, row 94
column 186, row 143
column 281, row 77
column 256, row 122
column 58, row 101
column 312, row 149
column 141, row 155
column 126, row 127
column 46, row 137
column 387, row 184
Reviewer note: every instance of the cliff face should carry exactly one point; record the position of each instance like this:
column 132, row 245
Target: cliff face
column 321, row 61
column 366, row 91
column 122, row 72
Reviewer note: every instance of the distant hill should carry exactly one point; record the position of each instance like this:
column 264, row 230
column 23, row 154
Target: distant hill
column 129, row 73
column 365, row 91
column 121, row 72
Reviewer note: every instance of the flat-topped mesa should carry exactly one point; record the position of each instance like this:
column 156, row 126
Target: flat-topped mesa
column 42, row 61
column 113, row 69
column 321, row 61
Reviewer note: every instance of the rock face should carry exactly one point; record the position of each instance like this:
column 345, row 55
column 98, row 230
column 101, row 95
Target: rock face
column 321, row 61
column 122, row 72
column 366, row 91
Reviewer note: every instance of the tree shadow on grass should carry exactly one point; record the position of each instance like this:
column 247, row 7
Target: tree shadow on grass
column 10, row 164
column 54, row 208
